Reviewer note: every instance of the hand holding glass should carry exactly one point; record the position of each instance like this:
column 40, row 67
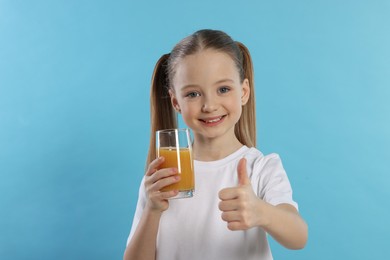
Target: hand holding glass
column 175, row 146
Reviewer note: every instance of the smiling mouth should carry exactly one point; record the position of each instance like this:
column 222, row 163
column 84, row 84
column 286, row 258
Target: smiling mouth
column 212, row 120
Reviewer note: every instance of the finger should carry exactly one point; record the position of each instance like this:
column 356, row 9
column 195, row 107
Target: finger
column 228, row 205
column 168, row 194
column 228, row 194
column 236, row 225
column 230, row 216
column 234, row 220
column 243, row 178
column 163, row 173
column 154, row 165
column 161, row 183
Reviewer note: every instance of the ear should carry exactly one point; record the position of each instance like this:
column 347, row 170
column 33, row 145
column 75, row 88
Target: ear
column 174, row 102
column 246, row 91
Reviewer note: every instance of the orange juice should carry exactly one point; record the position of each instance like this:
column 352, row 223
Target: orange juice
column 185, row 167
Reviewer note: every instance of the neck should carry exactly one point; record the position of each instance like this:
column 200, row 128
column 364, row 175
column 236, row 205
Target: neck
column 212, row 150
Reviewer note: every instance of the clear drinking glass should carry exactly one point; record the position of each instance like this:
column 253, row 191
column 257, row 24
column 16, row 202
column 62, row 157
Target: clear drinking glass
column 175, row 146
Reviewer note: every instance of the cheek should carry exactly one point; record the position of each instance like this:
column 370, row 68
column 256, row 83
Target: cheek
column 188, row 116
column 186, row 111
column 235, row 102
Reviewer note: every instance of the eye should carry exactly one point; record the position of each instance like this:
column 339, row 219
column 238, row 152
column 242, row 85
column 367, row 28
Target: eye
column 192, row 94
column 223, row 90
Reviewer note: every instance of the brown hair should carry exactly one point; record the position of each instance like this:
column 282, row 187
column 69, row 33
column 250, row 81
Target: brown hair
column 163, row 116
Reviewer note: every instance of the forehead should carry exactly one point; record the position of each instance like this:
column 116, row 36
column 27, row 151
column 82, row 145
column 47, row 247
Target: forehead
column 205, row 67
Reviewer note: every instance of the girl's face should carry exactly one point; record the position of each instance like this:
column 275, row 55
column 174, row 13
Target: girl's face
column 207, row 91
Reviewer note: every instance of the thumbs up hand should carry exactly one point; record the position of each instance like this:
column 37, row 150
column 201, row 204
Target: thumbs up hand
column 240, row 206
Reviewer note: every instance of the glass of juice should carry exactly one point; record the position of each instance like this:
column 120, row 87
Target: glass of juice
column 176, row 147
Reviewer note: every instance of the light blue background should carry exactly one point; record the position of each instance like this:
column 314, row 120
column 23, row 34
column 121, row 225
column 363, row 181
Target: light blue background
column 74, row 116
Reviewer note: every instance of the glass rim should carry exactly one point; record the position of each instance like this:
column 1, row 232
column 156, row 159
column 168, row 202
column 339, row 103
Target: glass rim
column 173, row 130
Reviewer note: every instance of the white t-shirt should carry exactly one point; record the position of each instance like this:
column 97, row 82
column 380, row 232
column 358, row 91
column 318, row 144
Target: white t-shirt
column 192, row 228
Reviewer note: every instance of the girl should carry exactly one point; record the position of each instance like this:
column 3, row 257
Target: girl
column 241, row 194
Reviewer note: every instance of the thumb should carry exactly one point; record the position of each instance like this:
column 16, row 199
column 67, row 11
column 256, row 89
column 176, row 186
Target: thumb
column 243, row 178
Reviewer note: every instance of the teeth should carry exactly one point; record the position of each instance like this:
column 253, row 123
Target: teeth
column 214, row 120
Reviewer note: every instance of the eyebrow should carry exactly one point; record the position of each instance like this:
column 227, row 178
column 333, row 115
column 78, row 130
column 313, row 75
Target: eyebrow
column 216, row 83
column 223, row 81
column 184, row 88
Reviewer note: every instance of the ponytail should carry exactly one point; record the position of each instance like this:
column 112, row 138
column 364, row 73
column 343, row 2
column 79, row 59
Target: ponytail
column 162, row 114
column 245, row 128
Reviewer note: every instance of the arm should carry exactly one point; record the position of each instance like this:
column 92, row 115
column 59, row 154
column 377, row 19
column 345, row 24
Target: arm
column 142, row 245
column 242, row 209
column 286, row 226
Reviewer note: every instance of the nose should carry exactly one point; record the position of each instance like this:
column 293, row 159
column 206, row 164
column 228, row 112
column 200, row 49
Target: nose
column 210, row 104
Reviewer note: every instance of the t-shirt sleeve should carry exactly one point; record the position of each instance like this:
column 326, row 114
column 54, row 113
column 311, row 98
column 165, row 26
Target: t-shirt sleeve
column 273, row 184
column 138, row 211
